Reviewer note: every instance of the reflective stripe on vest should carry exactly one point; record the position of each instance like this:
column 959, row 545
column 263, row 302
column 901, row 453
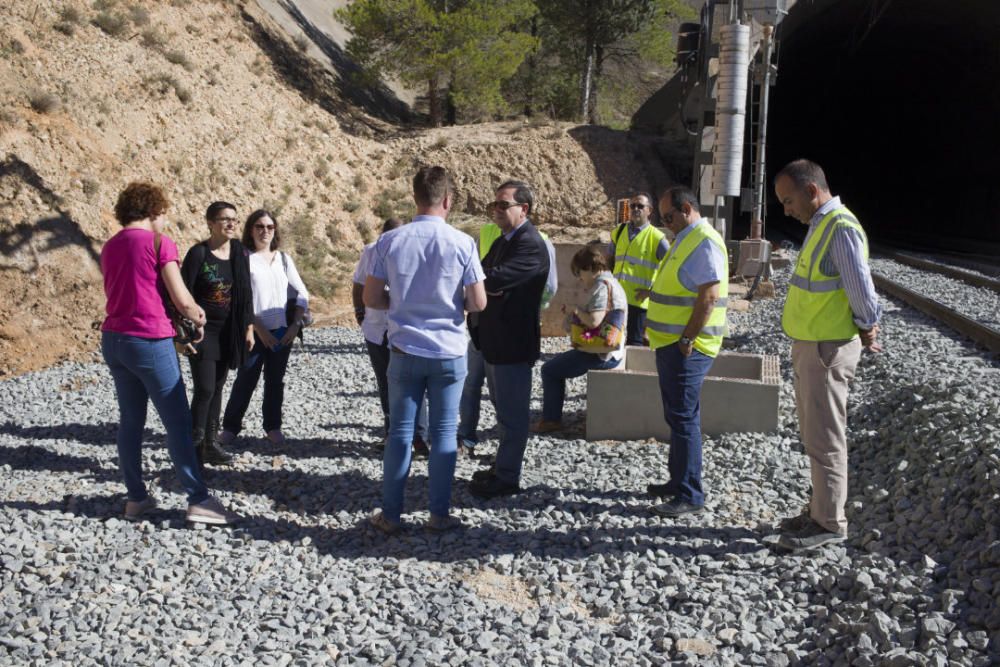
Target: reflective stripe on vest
column 488, row 234
column 672, row 304
column 636, row 265
column 817, row 307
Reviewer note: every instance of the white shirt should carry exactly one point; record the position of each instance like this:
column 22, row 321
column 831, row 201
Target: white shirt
column 272, row 288
column 376, row 322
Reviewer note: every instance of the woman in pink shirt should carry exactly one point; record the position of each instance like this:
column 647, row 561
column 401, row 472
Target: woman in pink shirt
column 137, row 343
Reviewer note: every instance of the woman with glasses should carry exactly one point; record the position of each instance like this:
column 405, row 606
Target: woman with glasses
column 217, row 272
column 275, row 282
column 139, row 265
column 603, row 295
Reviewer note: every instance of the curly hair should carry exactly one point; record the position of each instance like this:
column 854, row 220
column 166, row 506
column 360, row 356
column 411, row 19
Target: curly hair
column 140, row 200
column 591, row 257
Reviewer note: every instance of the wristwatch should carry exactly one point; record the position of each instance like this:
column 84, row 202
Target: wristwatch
column 686, row 342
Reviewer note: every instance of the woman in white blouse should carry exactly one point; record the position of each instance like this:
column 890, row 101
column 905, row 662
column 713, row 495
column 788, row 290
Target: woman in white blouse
column 275, row 281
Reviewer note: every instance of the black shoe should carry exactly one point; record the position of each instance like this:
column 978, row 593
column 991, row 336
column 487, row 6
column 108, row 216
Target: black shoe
column 465, row 451
column 492, row 487
column 212, row 452
column 810, row 536
column 667, row 490
column 676, row 507
column 420, row 448
column 483, row 475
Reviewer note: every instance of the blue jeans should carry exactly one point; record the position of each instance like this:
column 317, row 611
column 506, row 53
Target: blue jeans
column 147, row 369
column 513, row 402
column 273, row 364
column 410, row 379
column 379, row 356
column 635, row 330
column 555, row 372
column 472, row 395
column 680, row 386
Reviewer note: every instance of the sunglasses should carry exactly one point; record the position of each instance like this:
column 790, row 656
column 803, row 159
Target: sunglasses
column 503, row 205
column 636, row 207
column 264, row 228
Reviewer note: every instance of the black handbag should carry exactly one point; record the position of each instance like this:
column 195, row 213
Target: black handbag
column 293, row 303
column 185, row 330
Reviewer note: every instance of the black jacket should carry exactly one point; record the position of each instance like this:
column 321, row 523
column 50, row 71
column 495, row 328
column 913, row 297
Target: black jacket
column 241, row 310
column 509, row 331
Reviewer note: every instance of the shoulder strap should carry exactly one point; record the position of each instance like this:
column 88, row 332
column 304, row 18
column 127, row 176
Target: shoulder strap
column 618, row 232
column 284, row 261
column 607, row 286
column 156, row 250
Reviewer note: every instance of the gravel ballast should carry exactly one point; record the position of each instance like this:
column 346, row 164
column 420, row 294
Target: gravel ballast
column 575, row 570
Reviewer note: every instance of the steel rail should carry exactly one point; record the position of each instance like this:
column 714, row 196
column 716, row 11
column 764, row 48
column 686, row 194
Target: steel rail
column 986, row 336
column 967, row 277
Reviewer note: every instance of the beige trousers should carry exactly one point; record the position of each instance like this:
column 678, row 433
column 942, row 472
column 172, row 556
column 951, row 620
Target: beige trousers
column 823, row 371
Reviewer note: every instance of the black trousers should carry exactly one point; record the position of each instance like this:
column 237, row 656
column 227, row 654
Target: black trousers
column 273, row 364
column 209, row 379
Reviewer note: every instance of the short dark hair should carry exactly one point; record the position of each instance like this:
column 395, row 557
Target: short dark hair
column 802, row 172
column 523, row 194
column 217, row 207
column 248, row 230
column 591, row 257
column 140, row 200
column 680, row 195
column 431, row 185
column 391, row 224
column 649, row 197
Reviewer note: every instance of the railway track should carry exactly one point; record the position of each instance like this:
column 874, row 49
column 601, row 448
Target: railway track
column 985, row 335
column 971, row 277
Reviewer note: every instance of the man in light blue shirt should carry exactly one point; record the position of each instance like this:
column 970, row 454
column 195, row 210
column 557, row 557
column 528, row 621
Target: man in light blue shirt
column 436, row 277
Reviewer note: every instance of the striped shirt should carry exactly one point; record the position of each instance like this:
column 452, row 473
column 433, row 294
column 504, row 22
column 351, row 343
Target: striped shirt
column 847, row 259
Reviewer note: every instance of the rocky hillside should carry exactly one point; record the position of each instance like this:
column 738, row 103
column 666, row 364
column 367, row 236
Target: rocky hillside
column 215, row 100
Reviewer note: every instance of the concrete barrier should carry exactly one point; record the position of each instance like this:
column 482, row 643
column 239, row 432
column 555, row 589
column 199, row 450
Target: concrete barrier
column 739, row 394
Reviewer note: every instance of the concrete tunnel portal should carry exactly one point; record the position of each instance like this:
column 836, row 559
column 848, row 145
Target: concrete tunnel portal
column 900, row 102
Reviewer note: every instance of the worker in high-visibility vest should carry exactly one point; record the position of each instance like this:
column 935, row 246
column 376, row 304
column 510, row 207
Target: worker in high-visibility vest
column 831, row 312
column 638, row 249
column 685, row 325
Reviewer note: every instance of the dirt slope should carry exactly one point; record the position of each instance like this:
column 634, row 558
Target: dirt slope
column 215, row 101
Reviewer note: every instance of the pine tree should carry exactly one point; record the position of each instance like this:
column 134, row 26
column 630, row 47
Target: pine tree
column 468, row 47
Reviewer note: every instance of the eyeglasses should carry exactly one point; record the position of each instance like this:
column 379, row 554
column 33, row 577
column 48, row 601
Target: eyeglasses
column 264, row 228
column 635, row 206
column 226, row 221
column 503, row 205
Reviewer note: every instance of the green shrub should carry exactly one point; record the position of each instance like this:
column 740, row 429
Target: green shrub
column 90, row 187
column 139, row 15
column 153, row 38
column 115, row 25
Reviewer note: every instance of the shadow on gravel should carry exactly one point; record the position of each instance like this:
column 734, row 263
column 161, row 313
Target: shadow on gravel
column 87, row 434
column 339, row 348
column 32, row 457
column 307, row 448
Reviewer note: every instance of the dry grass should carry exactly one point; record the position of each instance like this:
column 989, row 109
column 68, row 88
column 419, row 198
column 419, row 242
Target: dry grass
column 113, row 24
column 44, row 102
column 179, row 58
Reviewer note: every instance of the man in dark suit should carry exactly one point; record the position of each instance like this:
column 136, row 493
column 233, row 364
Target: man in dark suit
column 509, row 331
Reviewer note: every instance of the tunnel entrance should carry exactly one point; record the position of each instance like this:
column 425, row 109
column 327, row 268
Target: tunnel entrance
column 900, row 103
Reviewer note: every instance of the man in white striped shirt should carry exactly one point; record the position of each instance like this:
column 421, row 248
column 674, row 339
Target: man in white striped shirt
column 831, row 312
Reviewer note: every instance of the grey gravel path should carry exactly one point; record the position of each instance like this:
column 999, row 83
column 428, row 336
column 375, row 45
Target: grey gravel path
column 574, row 571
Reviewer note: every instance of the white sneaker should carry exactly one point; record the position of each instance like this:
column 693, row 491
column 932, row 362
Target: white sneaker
column 210, row 511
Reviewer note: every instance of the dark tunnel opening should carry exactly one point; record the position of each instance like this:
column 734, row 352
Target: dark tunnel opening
column 900, row 104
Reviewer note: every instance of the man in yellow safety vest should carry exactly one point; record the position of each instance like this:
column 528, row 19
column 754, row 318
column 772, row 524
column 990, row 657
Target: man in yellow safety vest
column 831, row 300
column 685, row 325
column 639, row 247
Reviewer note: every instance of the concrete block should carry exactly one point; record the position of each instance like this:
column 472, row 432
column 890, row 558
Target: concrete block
column 739, row 394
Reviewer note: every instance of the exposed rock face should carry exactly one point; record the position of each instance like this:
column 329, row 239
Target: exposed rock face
column 214, row 101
